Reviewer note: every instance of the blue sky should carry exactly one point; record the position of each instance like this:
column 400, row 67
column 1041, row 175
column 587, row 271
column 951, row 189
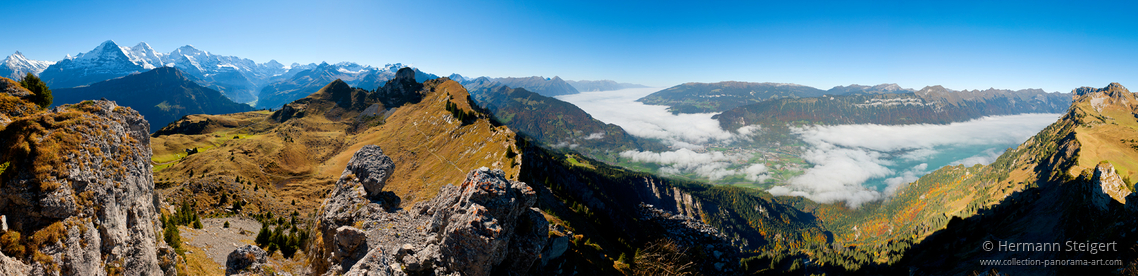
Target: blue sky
column 1056, row 46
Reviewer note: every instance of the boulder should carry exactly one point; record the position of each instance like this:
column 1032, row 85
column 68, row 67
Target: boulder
column 371, row 167
column 245, row 259
column 348, row 239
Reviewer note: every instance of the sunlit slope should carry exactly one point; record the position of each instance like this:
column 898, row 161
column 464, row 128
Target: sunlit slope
column 298, row 152
column 430, row 146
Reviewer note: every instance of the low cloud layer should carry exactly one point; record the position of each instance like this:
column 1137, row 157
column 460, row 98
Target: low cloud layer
column 712, row 165
column 984, row 158
column 688, row 133
column 846, row 156
column 653, row 121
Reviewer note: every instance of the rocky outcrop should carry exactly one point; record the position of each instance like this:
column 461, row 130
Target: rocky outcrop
column 1107, row 186
column 78, row 187
column 14, row 101
column 400, row 90
column 247, row 259
column 487, row 224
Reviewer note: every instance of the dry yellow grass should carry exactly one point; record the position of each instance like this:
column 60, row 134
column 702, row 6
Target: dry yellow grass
column 198, row 263
column 1105, row 137
column 300, row 159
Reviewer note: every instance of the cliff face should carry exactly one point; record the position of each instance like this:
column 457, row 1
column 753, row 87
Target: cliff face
column 485, row 225
column 77, row 193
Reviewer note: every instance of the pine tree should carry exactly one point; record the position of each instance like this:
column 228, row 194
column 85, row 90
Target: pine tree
column 41, row 95
column 263, row 236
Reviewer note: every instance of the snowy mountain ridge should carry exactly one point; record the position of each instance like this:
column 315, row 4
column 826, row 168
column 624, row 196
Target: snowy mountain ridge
column 16, row 66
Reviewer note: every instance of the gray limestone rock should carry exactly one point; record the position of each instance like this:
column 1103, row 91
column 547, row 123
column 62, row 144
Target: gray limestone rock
column 371, row 167
column 99, row 195
column 484, row 225
column 244, row 259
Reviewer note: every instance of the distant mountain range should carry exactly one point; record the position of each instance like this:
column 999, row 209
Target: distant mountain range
column 16, row 66
column 237, row 78
column 930, row 105
column 862, row 89
column 695, row 97
column 548, row 87
column 276, row 94
column 601, row 85
column 242, row 80
column 265, row 85
column 162, row 95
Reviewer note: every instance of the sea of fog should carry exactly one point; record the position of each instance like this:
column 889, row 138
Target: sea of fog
column 850, row 163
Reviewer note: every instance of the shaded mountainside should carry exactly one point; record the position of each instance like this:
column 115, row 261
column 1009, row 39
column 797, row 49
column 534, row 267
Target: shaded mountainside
column 601, row 85
column 695, row 97
column 78, row 194
column 557, row 123
column 931, row 105
column 162, row 95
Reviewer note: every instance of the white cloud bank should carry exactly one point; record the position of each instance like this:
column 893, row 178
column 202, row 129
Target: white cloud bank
column 713, row 165
column 685, row 132
column 653, row 121
column 845, row 156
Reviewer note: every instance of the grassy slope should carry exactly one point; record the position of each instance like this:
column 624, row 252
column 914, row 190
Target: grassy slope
column 301, row 158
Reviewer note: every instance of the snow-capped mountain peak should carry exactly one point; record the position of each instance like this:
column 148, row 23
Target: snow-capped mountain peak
column 188, row 50
column 105, row 49
column 145, row 56
column 17, row 66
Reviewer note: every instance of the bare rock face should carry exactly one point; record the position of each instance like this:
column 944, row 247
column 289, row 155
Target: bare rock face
column 245, row 260
column 80, row 174
column 485, row 225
